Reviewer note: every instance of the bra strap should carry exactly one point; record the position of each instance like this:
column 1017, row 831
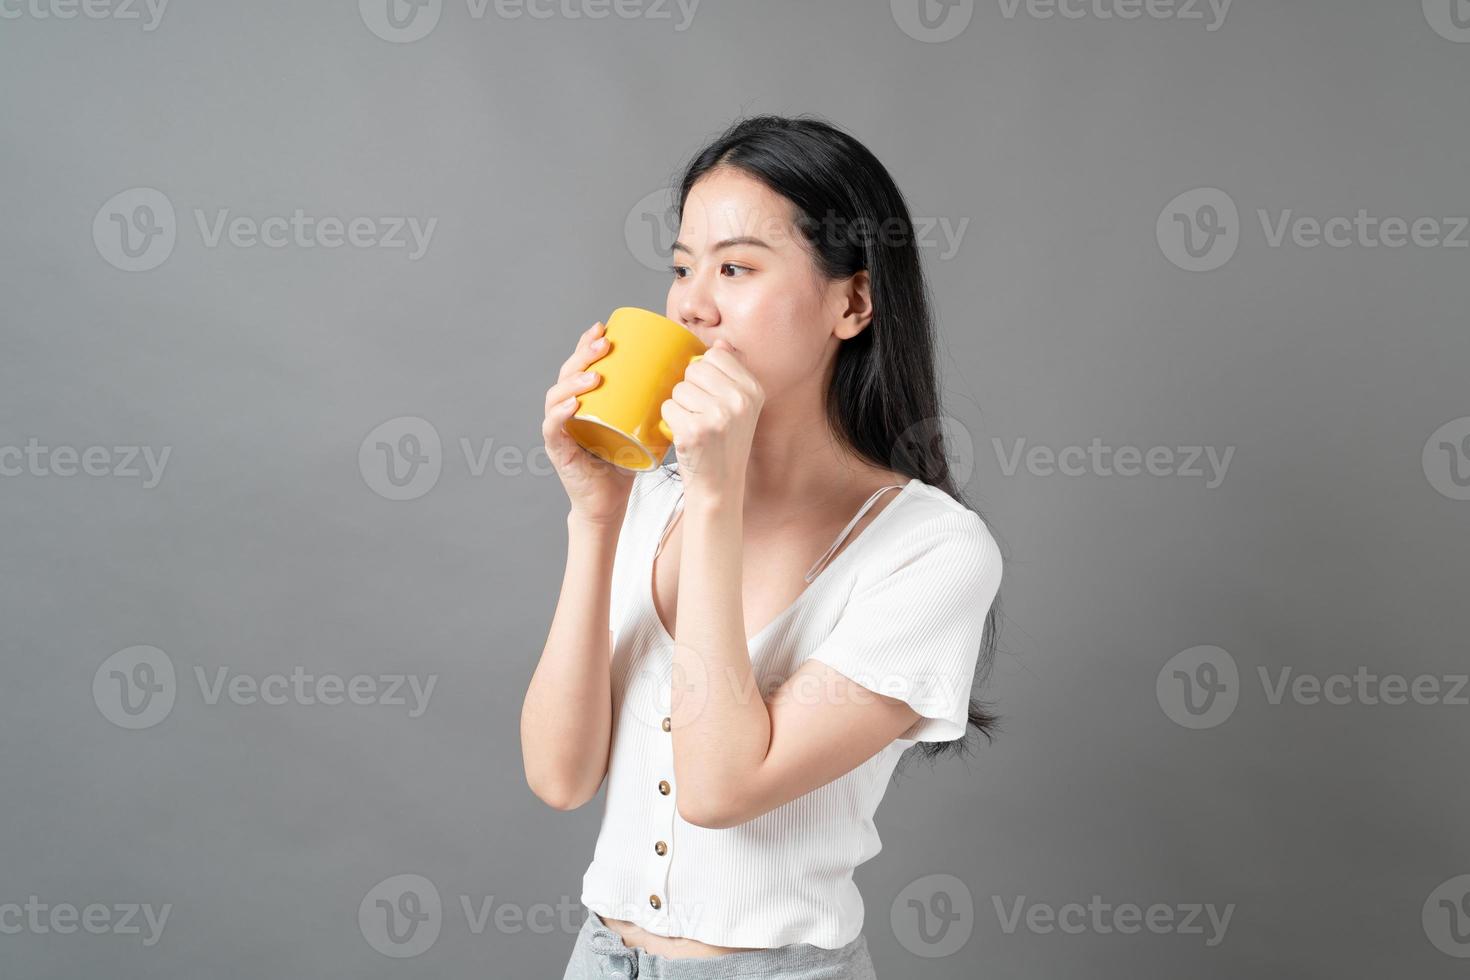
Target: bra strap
column 812, row 573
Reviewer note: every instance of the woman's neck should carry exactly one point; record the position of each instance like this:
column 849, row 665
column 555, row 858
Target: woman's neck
column 798, row 466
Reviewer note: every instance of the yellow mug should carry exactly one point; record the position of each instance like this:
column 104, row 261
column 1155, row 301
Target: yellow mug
column 620, row 420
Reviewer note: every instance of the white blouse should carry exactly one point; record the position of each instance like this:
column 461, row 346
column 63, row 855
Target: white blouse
column 901, row 611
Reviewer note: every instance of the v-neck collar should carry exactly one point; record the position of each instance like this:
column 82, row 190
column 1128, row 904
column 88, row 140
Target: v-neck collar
column 751, row 641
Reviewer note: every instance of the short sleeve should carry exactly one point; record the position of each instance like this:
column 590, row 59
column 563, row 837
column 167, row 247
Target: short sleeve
column 913, row 624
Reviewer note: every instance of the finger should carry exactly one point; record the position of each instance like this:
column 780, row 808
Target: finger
column 676, row 415
column 720, row 361
column 557, row 415
column 574, row 384
column 581, row 355
column 710, row 386
column 726, row 371
column 693, row 398
column 590, row 346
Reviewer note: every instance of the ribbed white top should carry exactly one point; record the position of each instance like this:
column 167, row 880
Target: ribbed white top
column 901, row 610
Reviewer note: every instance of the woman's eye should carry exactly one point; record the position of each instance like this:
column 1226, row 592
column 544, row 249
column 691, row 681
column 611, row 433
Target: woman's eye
column 676, row 269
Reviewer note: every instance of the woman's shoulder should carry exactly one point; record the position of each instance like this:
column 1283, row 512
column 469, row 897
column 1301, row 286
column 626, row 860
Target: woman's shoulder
column 933, row 507
column 931, row 522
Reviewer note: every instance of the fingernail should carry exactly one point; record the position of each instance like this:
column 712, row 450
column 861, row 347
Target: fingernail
column 588, row 375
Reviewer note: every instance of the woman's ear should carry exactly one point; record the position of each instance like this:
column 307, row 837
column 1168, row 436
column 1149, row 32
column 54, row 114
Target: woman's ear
column 855, row 300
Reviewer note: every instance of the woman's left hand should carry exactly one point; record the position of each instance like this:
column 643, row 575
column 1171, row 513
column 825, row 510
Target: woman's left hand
column 712, row 413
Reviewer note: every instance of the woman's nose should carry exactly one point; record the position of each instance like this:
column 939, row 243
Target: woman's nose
column 695, row 304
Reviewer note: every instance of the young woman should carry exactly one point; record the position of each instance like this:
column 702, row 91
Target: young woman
column 746, row 641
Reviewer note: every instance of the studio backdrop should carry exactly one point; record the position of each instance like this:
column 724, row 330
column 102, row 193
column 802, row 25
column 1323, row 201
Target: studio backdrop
column 284, row 285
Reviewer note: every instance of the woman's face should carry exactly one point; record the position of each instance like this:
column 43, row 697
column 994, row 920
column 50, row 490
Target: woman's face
column 742, row 272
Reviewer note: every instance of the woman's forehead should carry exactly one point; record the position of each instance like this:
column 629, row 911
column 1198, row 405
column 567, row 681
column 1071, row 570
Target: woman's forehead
column 723, row 207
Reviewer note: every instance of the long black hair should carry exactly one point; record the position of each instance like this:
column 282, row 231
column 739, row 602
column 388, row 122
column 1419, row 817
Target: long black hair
column 883, row 400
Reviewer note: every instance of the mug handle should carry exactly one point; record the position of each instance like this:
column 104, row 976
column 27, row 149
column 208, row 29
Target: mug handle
column 664, row 426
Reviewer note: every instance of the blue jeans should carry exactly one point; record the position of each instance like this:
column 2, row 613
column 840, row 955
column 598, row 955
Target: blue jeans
column 601, row 954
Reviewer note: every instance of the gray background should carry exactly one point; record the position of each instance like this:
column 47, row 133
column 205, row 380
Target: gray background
column 267, row 546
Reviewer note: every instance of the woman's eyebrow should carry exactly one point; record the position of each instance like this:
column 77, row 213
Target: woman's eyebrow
column 742, row 240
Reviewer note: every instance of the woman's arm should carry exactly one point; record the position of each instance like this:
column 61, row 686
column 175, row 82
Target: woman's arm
column 735, row 755
column 566, row 719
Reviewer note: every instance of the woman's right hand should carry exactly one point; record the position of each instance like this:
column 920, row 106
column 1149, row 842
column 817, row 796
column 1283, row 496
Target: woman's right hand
column 597, row 489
